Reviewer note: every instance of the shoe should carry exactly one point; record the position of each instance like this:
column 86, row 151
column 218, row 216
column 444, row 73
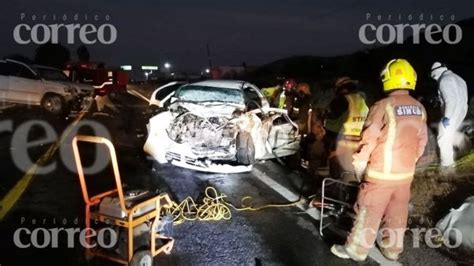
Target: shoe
column 341, row 252
column 390, row 255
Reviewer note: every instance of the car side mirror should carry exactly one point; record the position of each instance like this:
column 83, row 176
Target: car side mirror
column 167, row 103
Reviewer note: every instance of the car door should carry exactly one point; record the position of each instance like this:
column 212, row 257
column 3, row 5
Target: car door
column 24, row 84
column 253, row 97
column 282, row 137
column 282, row 133
column 3, row 82
column 163, row 94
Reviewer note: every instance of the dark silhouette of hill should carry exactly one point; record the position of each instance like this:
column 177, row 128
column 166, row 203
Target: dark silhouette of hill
column 366, row 65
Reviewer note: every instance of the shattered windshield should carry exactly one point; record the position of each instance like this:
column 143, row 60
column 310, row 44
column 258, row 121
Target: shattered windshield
column 193, row 93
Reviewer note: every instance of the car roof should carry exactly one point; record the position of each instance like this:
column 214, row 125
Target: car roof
column 46, row 67
column 230, row 84
column 20, row 63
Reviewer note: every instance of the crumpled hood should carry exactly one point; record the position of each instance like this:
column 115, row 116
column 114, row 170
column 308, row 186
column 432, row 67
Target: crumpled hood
column 211, row 109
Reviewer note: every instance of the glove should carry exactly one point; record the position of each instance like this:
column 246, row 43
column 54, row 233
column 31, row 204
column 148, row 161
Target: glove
column 445, row 122
column 359, row 169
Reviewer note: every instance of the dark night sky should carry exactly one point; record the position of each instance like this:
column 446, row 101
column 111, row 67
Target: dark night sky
column 256, row 32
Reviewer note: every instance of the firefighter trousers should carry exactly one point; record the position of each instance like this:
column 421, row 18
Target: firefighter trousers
column 381, row 214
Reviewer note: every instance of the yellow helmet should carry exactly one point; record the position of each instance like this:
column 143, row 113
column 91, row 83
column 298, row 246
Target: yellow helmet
column 398, row 74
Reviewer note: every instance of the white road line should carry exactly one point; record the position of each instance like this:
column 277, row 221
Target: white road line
column 14, row 194
column 138, row 95
column 287, row 194
column 374, row 253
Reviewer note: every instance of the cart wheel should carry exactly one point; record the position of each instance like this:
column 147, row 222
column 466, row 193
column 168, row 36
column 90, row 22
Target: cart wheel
column 142, row 258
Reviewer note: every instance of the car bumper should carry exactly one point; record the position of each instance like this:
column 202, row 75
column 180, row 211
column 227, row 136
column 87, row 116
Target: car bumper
column 210, row 167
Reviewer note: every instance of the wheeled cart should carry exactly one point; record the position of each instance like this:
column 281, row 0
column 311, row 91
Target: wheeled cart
column 134, row 219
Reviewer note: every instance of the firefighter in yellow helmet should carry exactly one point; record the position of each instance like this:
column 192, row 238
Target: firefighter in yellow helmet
column 393, row 139
column 345, row 119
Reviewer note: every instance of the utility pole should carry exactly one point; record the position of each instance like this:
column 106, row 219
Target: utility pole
column 209, row 59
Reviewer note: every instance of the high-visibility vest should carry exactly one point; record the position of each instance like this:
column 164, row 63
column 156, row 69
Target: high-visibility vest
column 282, row 100
column 352, row 121
column 358, row 111
column 268, row 92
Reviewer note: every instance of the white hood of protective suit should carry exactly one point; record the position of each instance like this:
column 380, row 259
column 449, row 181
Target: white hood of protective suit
column 437, row 69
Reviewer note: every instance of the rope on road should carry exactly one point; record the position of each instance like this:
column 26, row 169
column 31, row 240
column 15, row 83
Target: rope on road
column 246, row 205
column 214, row 207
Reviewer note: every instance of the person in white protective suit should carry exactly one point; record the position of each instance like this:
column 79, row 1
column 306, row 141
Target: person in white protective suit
column 452, row 90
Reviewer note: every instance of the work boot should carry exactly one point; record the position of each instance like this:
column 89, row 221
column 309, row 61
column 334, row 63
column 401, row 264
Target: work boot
column 390, row 255
column 341, row 252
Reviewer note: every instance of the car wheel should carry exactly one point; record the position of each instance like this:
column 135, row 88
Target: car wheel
column 245, row 149
column 53, row 103
column 142, row 258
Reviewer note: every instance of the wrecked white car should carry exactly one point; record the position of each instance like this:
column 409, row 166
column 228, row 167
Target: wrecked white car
column 218, row 126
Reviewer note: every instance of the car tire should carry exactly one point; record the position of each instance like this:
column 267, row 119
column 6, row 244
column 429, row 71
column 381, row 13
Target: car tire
column 142, row 258
column 53, row 104
column 245, row 149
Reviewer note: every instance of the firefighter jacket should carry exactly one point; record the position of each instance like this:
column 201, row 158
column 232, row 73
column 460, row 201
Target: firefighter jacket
column 393, row 138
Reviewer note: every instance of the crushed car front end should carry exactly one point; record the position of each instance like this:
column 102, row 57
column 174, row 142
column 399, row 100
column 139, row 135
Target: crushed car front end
column 216, row 134
column 196, row 140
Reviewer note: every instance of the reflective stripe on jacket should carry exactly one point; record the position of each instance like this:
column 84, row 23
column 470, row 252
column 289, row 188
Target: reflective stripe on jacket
column 352, row 121
column 394, row 138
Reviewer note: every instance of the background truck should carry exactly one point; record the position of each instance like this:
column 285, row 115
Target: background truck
column 105, row 81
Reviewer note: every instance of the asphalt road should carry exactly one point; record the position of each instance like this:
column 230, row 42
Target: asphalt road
column 274, row 236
